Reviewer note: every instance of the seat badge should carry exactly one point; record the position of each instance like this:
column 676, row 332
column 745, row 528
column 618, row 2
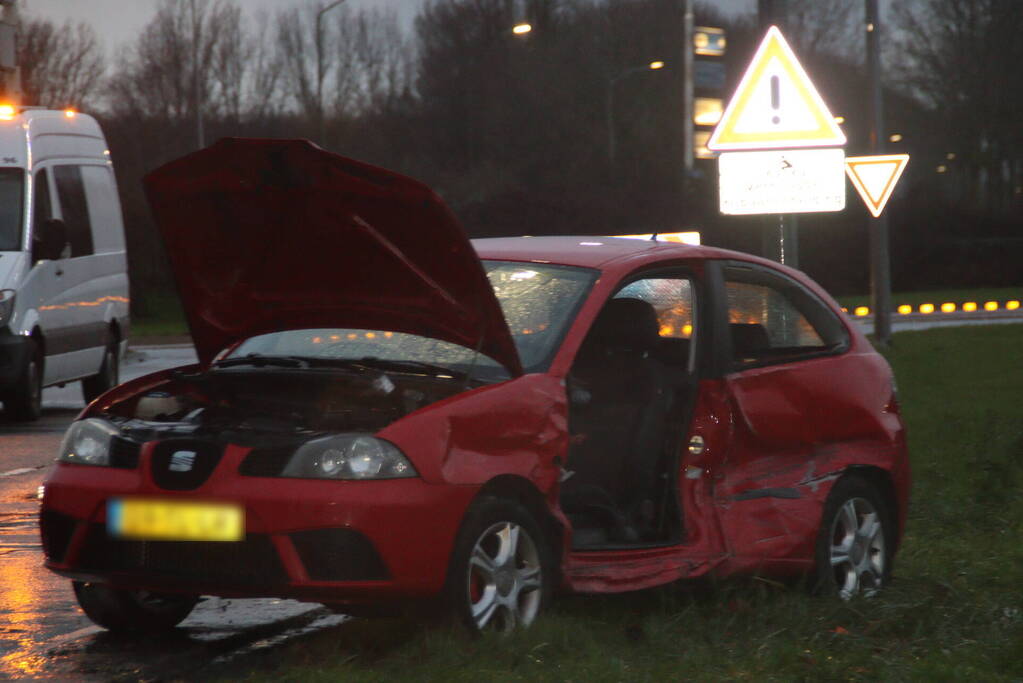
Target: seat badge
column 182, row 461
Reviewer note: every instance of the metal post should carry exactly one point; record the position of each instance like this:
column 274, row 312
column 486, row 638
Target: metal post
column 880, row 268
column 687, row 107
column 200, row 134
column 321, row 131
column 781, row 238
column 610, row 114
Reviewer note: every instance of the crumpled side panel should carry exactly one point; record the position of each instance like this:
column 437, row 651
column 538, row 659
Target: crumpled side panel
column 518, row 427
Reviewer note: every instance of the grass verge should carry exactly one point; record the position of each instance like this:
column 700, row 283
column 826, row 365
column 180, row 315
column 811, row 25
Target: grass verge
column 158, row 315
column 954, row 612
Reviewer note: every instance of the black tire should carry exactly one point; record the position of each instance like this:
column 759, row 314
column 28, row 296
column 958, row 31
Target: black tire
column 108, row 376
column 521, row 574
column 141, row 611
column 855, row 542
column 24, row 402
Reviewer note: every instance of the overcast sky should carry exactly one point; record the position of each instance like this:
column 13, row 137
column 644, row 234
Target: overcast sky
column 119, row 21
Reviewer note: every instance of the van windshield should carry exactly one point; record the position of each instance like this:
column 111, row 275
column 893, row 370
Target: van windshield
column 12, row 196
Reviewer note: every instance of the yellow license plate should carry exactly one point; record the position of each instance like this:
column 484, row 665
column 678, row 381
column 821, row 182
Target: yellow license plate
column 162, row 520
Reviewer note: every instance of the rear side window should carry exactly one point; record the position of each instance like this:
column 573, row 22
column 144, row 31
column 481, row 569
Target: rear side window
column 774, row 319
column 12, row 199
column 104, row 208
column 74, row 209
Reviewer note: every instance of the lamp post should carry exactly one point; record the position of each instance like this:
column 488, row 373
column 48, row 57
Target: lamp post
column 610, row 103
column 321, row 67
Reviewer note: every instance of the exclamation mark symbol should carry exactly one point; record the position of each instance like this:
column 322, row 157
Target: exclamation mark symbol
column 775, row 99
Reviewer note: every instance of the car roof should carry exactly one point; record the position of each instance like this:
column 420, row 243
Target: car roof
column 603, row 253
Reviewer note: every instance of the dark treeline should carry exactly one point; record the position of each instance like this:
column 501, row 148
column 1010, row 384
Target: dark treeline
column 513, row 130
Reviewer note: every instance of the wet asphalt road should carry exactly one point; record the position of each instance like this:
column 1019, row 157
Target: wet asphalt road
column 43, row 634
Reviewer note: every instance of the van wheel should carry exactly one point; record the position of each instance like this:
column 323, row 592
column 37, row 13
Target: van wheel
column 25, row 401
column 108, row 376
column 127, row 611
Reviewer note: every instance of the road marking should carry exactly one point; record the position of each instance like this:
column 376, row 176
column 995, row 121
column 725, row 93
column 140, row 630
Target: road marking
column 67, row 637
column 20, row 470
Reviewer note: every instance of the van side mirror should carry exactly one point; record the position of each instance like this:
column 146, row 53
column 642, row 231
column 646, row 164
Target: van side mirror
column 51, row 239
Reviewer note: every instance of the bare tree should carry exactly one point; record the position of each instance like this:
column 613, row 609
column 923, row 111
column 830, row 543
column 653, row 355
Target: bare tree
column 187, row 64
column 60, row 66
column 824, row 26
column 265, row 70
column 966, row 60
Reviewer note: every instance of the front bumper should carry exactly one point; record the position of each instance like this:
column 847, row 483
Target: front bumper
column 339, row 542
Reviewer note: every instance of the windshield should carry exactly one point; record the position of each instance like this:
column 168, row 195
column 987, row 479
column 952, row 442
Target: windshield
column 539, row 302
column 12, row 196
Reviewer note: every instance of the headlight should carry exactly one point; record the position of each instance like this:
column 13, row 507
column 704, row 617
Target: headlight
column 88, row 442
column 6, row 305
column 353, row 456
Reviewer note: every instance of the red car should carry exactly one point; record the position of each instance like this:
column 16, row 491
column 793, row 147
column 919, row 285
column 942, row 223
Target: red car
column 384, row 412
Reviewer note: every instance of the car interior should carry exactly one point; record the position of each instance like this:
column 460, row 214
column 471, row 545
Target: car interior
column 630, row 397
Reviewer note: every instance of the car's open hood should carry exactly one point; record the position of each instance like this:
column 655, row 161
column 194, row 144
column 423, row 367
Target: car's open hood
column 267, row 235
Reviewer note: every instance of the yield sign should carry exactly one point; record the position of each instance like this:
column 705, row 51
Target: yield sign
column 775, row 105
column 875, row 177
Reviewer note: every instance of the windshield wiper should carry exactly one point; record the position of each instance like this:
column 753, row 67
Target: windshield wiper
column 408, row 366
column 259, row 360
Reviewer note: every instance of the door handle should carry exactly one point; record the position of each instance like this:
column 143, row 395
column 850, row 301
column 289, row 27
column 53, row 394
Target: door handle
column 60, row 272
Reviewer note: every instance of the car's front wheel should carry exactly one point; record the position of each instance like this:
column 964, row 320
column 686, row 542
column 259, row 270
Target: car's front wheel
column 126, row 610
column 501, row 572
column 855, row 543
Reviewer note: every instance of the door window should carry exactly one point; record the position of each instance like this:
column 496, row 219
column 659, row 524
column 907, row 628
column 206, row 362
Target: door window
column 672, row 301
column 12, row 189
column 74, row 209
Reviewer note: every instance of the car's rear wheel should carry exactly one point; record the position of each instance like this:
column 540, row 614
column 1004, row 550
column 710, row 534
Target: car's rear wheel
column 24, row 402
column 125, row 610
column 108, row 376
column 501, row 572
column 855, row 543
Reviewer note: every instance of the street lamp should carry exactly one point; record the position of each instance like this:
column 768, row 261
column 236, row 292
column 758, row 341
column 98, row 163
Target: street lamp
column 610, row 109
column 320, row 67
column 522, row 29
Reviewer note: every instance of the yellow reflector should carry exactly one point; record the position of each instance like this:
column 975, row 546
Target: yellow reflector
column 70, row 113
column 861, row 311
column 990, row 305
column 948, row 308
column 1011, row 305
column 7, row 112
column 970, row 306
column 905, row 309
column 927, row 308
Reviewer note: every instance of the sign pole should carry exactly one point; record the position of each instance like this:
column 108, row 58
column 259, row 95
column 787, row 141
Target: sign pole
column 880, row 262
column 779, row 244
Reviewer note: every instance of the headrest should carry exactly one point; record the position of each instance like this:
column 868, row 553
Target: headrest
column 748, row 339
column 626, row 323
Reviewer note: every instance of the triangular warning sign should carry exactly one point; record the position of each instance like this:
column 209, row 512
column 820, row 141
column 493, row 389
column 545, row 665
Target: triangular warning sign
column 875, row 178
column 775, row 105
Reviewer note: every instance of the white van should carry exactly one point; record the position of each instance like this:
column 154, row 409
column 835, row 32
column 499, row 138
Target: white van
column 63, row 271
